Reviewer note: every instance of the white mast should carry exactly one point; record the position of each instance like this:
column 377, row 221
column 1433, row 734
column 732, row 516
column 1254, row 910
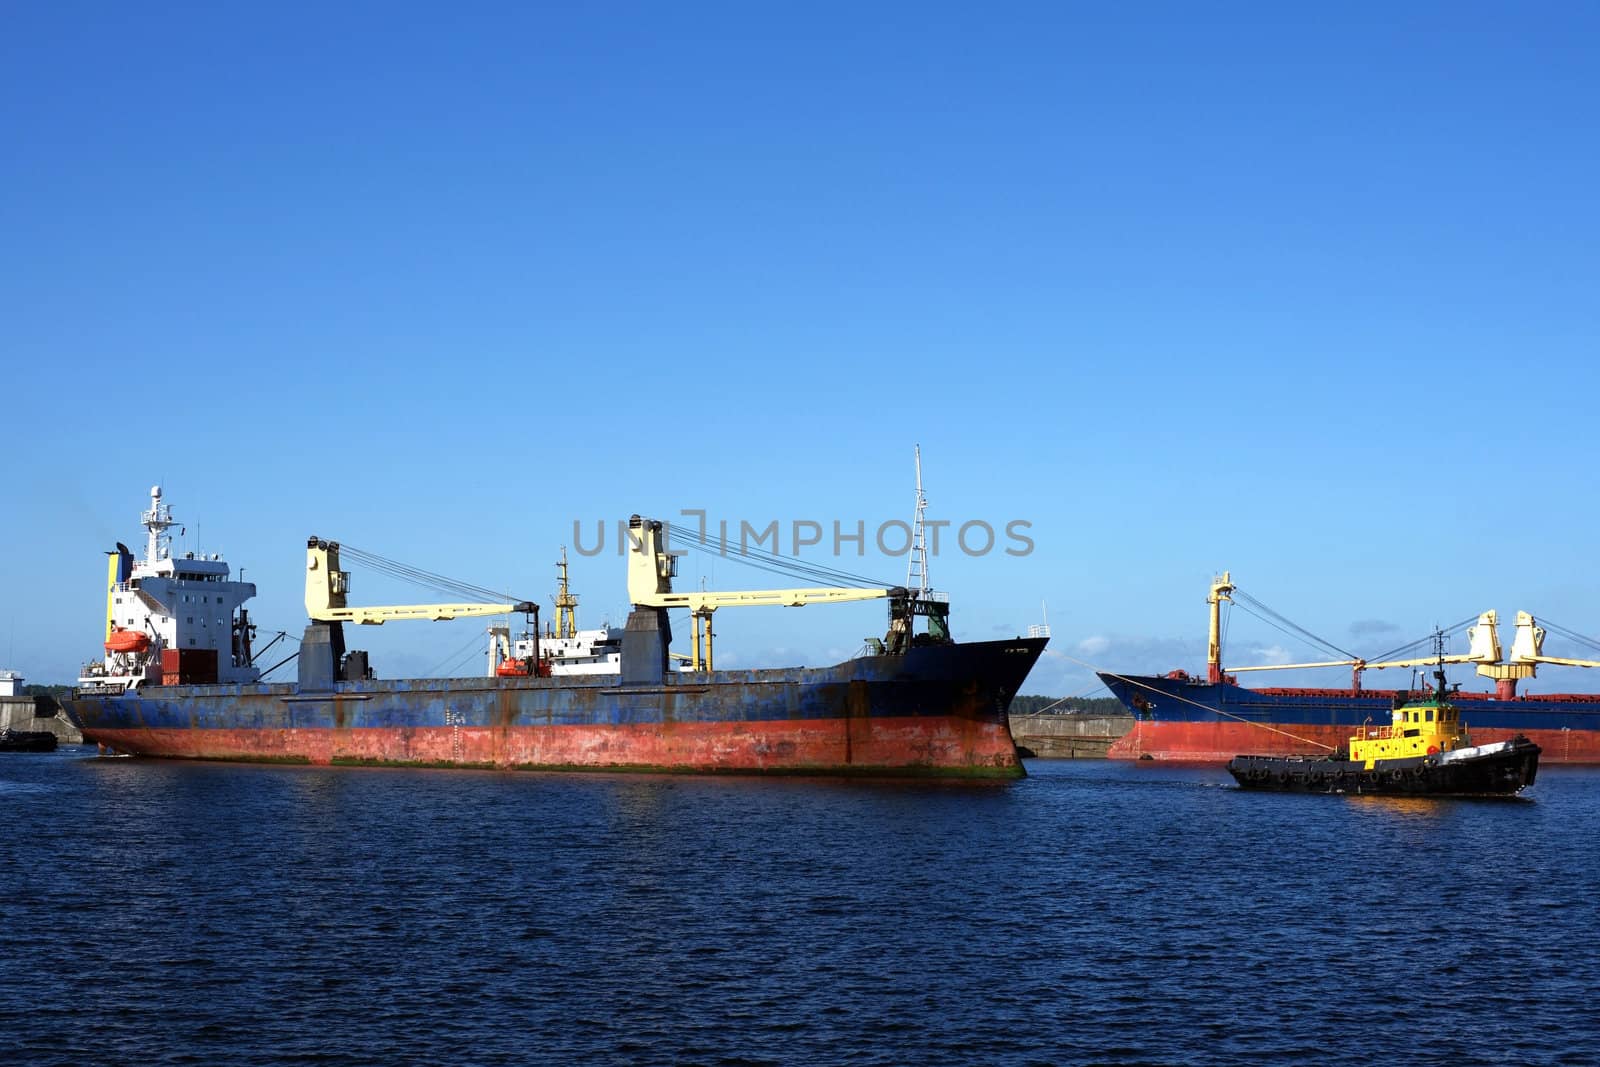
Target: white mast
column 917, row 566
column 157, row 521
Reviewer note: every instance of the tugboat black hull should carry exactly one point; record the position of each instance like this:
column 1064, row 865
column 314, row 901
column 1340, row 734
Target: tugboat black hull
column 1501, row 769
column 27, row 741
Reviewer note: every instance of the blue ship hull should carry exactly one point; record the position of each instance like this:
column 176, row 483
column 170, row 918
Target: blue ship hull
column 1189, row 719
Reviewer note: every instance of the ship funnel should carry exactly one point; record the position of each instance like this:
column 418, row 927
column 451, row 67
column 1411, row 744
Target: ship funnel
column 1484, row 639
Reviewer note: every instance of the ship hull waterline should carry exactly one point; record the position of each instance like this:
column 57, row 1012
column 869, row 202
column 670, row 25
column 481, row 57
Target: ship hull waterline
column 1200, row 722
column 935, row 711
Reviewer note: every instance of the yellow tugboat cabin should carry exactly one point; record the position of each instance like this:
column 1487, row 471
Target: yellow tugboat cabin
column 1419, row 728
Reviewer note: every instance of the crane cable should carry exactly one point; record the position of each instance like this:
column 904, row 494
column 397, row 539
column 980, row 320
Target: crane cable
column 419, row 577
column 1279, row 622
column 757, row 556
column 1203, row 707
column 753, row 556
column 1572, row 635
column 1400, row 653
column 454, row 660
column 773, row 562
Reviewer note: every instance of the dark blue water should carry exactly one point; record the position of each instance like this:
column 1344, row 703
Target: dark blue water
column 1097, row 912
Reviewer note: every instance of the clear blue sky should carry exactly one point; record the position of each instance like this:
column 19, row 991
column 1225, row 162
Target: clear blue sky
column 1310, row 294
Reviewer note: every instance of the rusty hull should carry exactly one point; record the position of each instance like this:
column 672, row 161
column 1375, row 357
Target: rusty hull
column 936, row 710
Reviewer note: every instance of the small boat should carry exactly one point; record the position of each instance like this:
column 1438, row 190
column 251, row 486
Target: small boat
column 122, row 640
column 1425, row 751
column 27, row 741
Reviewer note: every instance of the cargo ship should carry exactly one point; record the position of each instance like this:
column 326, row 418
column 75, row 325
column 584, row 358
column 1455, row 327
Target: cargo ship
column 178, row 678
column 1179, row 716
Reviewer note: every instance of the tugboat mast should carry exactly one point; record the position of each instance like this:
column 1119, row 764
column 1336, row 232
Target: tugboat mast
column 1440, row 685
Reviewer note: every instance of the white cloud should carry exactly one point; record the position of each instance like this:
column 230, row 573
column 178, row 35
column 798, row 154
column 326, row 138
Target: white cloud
column 1093, row 646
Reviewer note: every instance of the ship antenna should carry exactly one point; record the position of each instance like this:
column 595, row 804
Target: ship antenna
column 917, row 566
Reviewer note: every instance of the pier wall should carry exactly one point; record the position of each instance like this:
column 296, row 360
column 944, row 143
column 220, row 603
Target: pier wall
column 1052, row 736
column 19, row 713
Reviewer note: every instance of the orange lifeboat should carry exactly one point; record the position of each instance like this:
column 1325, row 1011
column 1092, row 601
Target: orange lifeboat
column 518, row 668
column 127, row 641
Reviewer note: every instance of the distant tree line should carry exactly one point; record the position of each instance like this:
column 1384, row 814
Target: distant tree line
column 1025, row 705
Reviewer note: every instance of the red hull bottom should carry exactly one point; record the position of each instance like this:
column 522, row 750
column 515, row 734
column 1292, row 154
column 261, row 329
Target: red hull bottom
column 1219, row 742
column 918, row 746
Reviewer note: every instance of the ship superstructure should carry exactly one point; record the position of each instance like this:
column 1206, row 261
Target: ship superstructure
column 171, row 620
column 562, row 648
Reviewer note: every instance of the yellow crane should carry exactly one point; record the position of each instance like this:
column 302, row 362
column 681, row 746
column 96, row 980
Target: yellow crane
column 1528, row 646
column 651, row 568
column 1527, row 652
column 323, row 659
column 1484, row 650
column 1484, row 645
column 327, row 586
column 1527, row 649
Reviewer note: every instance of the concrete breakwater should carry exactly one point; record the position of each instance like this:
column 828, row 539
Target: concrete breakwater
column 28, row 713
column 1054, row 736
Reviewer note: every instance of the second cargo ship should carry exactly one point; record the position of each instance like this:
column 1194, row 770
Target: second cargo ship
column 1178, row 716
column 179, row 679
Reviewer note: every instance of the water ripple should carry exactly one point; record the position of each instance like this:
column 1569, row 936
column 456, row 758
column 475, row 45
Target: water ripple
column 164, row 913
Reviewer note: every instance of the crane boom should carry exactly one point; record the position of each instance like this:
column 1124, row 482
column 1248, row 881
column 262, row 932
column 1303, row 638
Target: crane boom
column 1560, row 661
column 753, row 598
column 327, row 586
column 1294, row 666
column 651, row 568
column 1527, row 650
column 1485, row 649
column 1359, row 664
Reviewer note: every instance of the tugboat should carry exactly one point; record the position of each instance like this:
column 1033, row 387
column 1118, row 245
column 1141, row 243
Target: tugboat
column 27, row 740
column 1425, row 751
